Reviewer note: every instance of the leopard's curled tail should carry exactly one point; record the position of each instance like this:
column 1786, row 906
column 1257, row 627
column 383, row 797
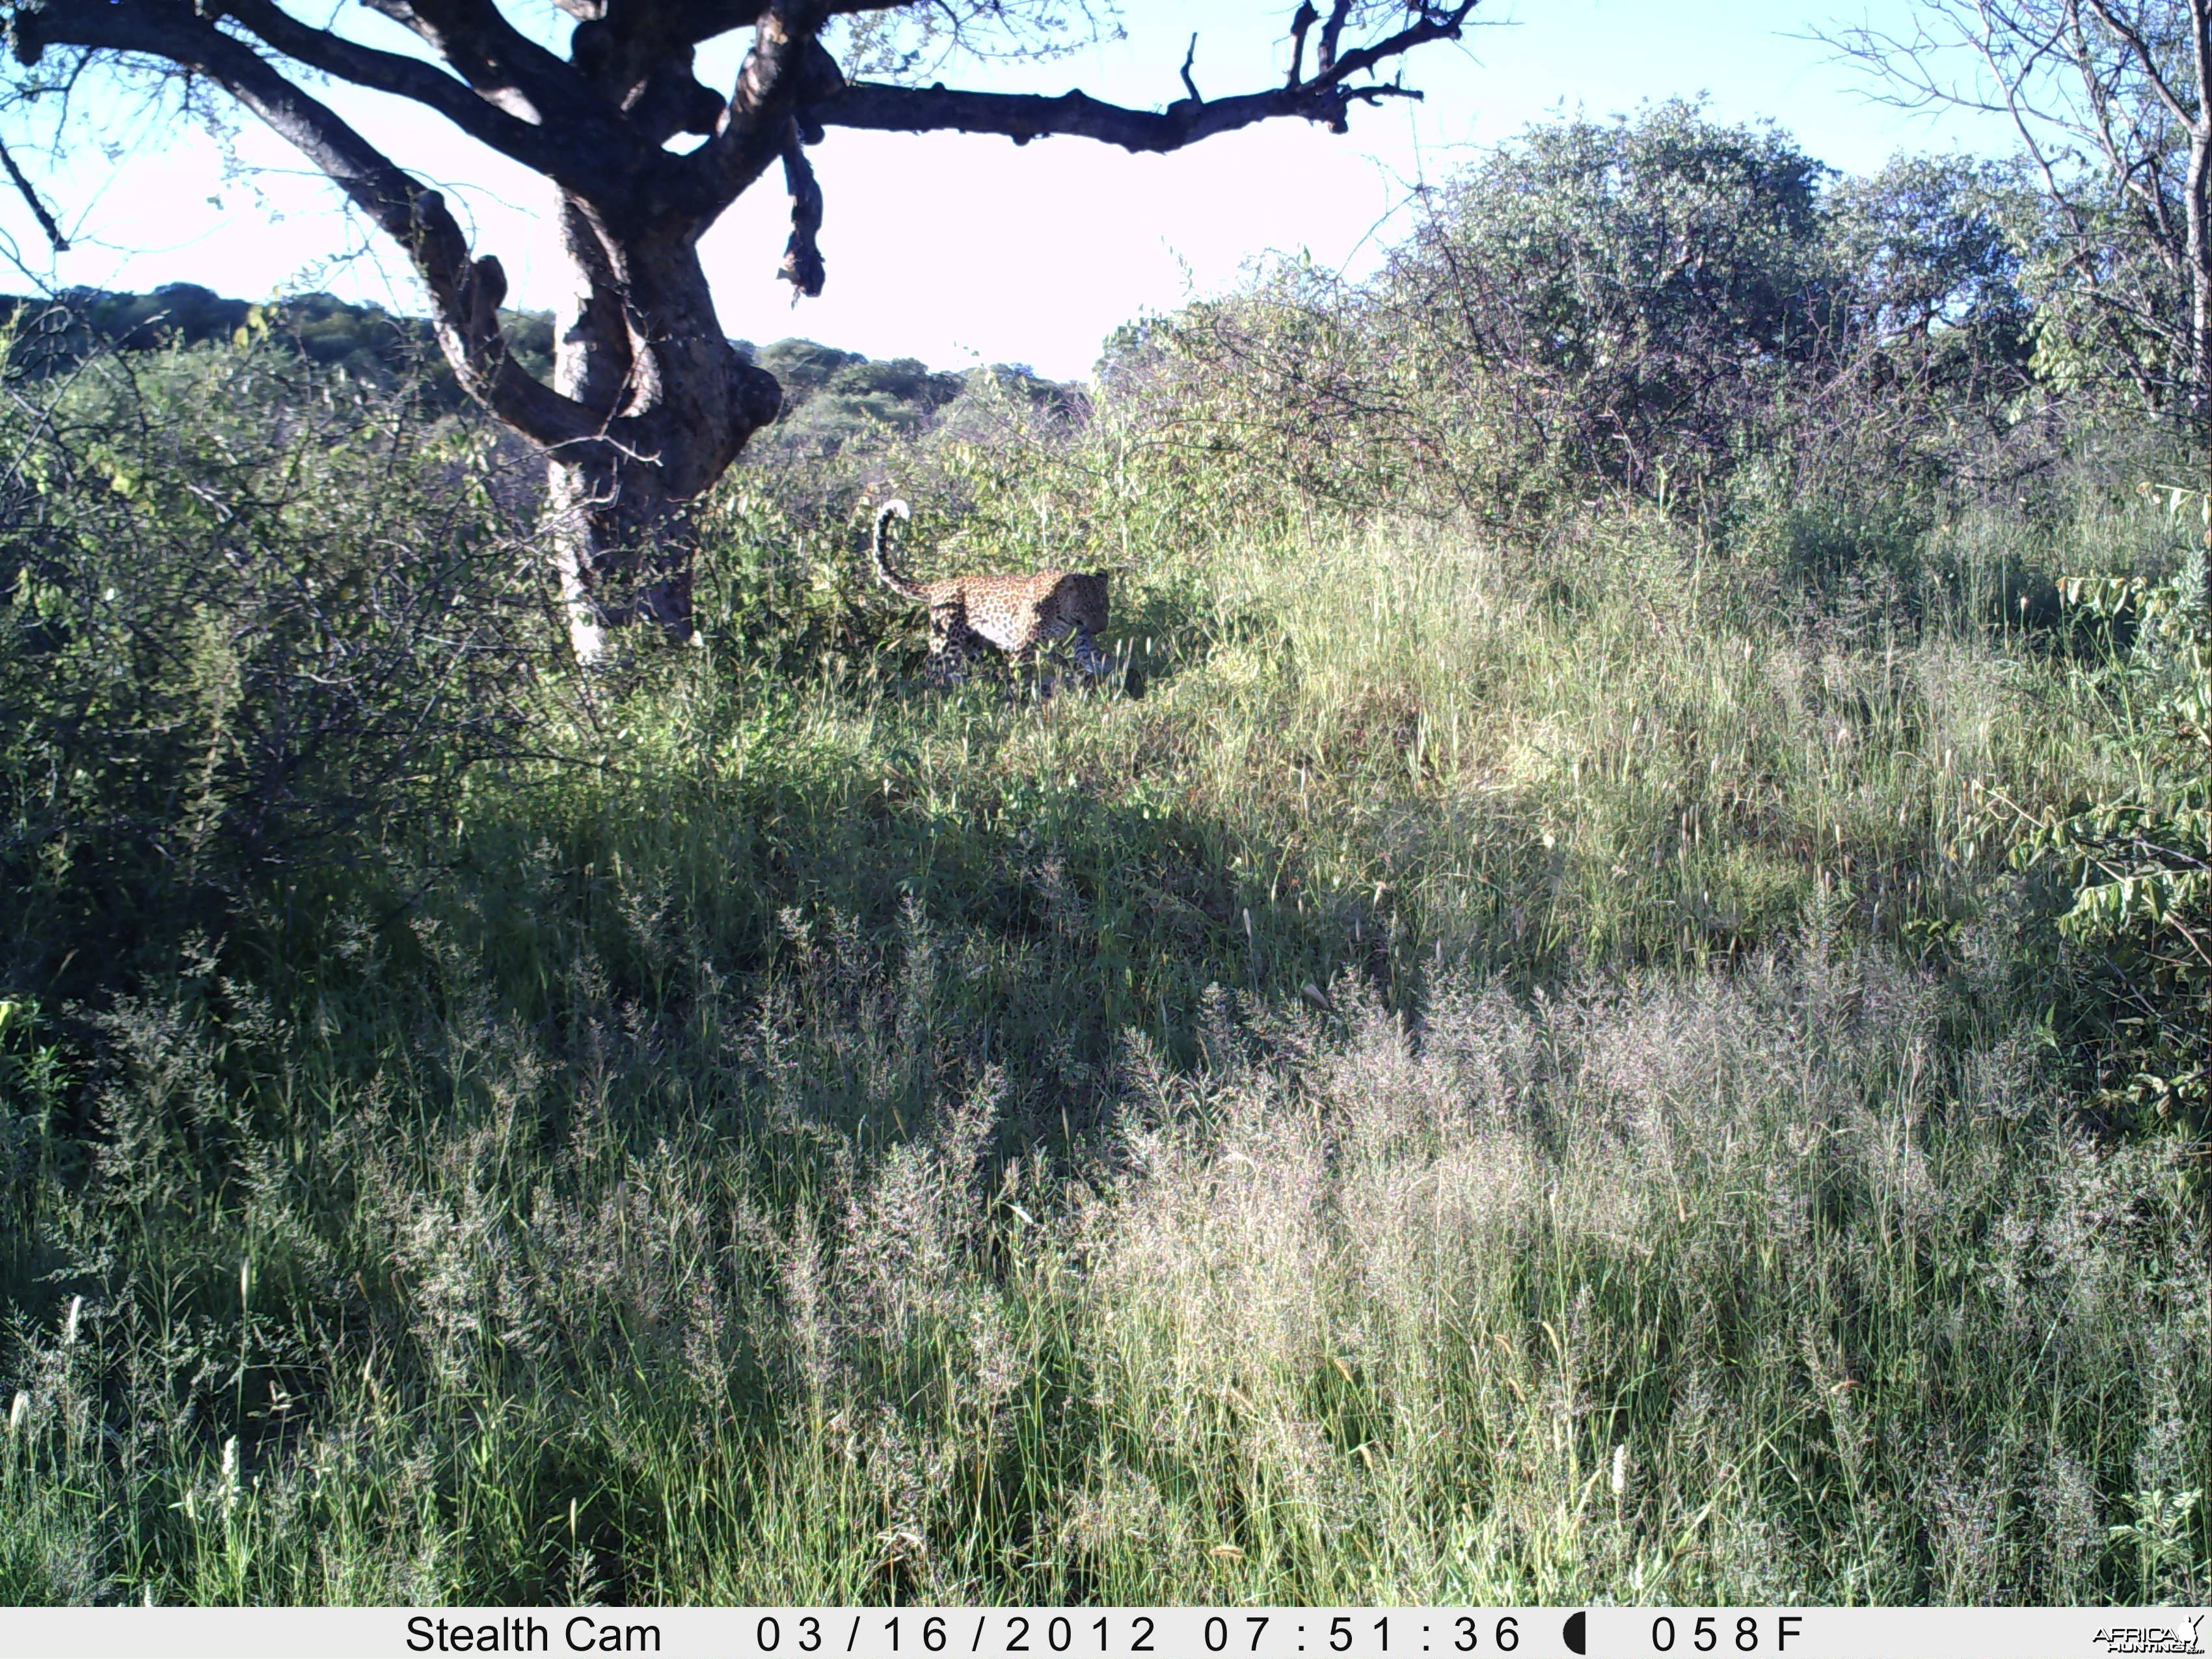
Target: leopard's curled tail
column 902, row 586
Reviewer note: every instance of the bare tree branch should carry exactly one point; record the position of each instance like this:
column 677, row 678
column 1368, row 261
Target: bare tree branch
column 1326, row 99
column 1331, row 33
column 1077, row 114
column 31, row 199
column 2146, row 60
column 465, row 293
column 1443, row 24
column 786, row 58
column 490, row 54
column 577, row 158
column 1304, row 19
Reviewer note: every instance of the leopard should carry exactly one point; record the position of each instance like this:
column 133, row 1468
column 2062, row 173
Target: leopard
column 1019, row 615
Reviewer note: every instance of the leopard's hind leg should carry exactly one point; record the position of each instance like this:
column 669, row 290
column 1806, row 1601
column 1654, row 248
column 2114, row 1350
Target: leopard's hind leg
column 950, row 644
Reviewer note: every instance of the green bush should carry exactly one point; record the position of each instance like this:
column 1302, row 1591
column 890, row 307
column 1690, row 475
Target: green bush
column 1646, row 305
column 253, row 617
column 2139, row 859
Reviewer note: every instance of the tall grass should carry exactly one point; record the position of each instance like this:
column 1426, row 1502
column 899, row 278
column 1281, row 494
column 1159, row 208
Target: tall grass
column 1790, row 1283
column 1500, row 1077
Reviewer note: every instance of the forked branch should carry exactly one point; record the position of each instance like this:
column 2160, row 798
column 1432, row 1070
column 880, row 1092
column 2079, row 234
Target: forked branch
column 465, row 293
column 31, row 200
column 1327, row 98
column 580, row 152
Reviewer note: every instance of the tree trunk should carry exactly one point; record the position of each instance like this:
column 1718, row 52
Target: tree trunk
column 2199, row 232
column 2199, row 186
column 637, row 342
column 2200, row 317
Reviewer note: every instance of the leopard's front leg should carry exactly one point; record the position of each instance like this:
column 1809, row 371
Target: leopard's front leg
column 1088, row 657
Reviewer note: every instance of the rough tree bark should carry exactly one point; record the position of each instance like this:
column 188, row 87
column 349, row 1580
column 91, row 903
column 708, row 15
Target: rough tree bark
column 637, row 337
column 649, row 404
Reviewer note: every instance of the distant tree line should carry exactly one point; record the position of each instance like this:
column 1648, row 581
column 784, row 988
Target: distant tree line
column 53, row 335
column 835, row 402
column 832, row 399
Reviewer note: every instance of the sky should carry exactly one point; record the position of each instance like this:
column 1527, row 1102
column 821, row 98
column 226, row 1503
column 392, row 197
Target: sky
column 959, row 249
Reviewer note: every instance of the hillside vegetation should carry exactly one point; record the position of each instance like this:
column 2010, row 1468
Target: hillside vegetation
column 1610, row 1005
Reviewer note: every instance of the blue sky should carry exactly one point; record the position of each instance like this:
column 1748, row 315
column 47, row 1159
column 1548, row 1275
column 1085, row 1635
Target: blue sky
column 954, row 248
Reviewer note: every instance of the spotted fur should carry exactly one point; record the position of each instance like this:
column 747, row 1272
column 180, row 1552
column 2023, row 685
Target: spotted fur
column 1019, row 615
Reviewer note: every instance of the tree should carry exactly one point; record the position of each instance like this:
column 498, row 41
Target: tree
column 1593, row 302
column 649, row 404
column 1647, row 277
column 1933, row 278
column 2112, row 103
column 2107, row 100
